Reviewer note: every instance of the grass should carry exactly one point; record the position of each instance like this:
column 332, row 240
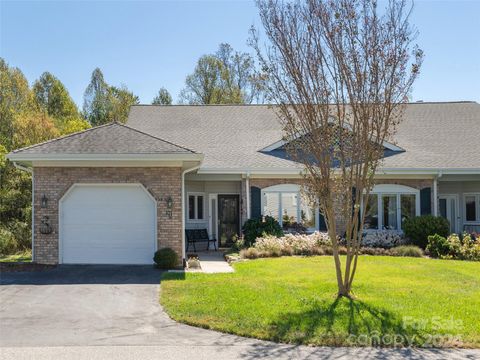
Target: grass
column 399, row 301
column 25, row 256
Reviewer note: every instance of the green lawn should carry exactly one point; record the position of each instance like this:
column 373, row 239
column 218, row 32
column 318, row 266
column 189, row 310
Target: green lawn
column 416, row 301
column 24, row 256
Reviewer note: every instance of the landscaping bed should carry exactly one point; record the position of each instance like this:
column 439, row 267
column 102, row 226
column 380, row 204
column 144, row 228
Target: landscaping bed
column 400, row 301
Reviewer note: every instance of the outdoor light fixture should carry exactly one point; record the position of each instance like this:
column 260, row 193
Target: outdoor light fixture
column 44, row 201
column 169, row 201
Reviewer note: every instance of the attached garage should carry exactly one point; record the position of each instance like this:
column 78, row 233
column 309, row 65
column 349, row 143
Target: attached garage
column 106, row 195
column 107, row 224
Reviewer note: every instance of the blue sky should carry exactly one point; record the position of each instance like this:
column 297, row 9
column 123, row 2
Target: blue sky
column 146, row 45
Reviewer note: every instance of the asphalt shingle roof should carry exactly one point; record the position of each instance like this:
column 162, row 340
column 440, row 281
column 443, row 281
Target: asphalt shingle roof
column 434, row 135
column 113, row 138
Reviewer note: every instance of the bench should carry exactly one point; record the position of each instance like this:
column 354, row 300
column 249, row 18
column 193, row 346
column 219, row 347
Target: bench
column 194, row 236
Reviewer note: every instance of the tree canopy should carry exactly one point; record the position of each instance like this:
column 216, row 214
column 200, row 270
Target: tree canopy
column 27, row 116
column 104, row 103
column 52, row 97
column 226, row 77
column 163, row 97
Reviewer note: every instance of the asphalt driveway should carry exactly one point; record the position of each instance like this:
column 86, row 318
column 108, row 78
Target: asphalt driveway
column 113, row 312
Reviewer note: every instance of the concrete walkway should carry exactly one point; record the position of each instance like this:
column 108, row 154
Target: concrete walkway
column 213, row 262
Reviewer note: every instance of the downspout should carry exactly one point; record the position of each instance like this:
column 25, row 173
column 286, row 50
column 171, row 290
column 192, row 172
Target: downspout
column 247, row 193
column 435, row 196
column 29, row 170
column 183, row 209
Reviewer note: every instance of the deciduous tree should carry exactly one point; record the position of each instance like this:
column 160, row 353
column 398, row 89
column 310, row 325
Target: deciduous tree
column 163, row 97
column 340, row 73
column 226, row 77
column 104, row 103
column 53, row 97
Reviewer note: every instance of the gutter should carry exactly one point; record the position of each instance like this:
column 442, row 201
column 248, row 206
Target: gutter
column 29, row 170
column 183, row 209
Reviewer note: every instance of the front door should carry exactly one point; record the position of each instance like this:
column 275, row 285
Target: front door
column 228, row 218
column 448, row 208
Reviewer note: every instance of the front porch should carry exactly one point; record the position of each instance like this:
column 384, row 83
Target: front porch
column 221, row 204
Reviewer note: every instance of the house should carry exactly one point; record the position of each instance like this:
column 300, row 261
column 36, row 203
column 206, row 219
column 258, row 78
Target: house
column 116, row 193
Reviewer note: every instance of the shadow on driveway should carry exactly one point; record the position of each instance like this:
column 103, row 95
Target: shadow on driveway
column 85, row 274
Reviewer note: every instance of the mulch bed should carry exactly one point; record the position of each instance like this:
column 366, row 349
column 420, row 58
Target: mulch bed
column 23, row 266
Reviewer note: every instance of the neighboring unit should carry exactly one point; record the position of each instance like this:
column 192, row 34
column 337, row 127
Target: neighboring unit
column 115, row 193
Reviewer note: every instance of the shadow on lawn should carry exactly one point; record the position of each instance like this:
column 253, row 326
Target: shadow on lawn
column 345, row 322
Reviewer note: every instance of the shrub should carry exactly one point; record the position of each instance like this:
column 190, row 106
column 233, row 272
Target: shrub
column 419, row 228
column 8, row 243
column 373, row 251
column 250, row 253
column 406, row 250
column 293, row 244
column 238, row 243
column 382, row 238
column 22, row 233
column 165, row 258
column 468, row 247
column 255, row 228
column 439, row 247
column 15, row 237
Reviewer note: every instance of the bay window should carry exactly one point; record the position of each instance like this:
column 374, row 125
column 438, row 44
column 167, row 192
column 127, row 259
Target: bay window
column 289, row 206
column 389, row 206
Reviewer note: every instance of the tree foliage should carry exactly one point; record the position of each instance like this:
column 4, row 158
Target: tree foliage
column 340, row 73
column 15, row 97
column 163, row 97
column 52, row 97
column 104, row 103
column 27, row 116
column 226, row 77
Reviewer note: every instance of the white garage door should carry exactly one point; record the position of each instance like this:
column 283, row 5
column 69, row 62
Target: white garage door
column 107, row 224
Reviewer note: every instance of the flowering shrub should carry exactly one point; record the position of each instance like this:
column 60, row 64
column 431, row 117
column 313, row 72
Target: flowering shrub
column 293, row 244
column 383, row 239
column 454, row 247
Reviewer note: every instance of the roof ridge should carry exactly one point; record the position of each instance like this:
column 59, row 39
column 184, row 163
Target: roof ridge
column 253, row 105
column 156, row 137
column 64, row 137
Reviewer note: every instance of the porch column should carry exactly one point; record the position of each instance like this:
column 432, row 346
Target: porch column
column 435, row 197
column 247, row 195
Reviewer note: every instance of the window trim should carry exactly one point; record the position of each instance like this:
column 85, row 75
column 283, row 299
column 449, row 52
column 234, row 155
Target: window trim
column 382, row 190
column 477, row 208
column 195, row 195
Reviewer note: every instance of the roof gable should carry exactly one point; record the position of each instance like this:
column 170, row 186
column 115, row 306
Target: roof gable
column 112, row 138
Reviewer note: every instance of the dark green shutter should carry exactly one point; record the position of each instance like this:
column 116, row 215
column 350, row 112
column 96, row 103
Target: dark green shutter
column 255, row 202
column 425, row 201
column 322, row 225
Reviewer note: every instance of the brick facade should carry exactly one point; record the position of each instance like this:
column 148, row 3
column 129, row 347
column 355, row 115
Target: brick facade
column 55, row 181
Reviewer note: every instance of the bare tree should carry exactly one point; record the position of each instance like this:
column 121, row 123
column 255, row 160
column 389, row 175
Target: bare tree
column 340, row 72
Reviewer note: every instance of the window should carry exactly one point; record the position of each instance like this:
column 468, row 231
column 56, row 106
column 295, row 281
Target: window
column 371, row 212
column 407, row 203
column 389, row 206
column 389, row 209
column 288, row 206
column 472, row 208
column 195, row 207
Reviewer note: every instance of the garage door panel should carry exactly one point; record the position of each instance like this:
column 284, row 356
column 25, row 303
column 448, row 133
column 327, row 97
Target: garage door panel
column 140, row 216
column 108, row 225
